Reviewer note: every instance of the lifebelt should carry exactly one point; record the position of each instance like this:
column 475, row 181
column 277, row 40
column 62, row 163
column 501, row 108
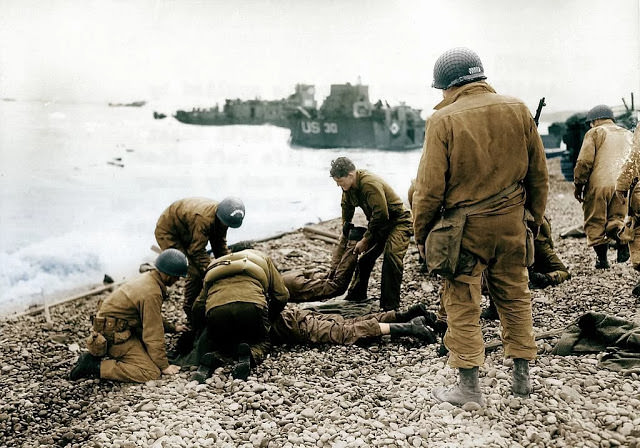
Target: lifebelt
column 394, row 128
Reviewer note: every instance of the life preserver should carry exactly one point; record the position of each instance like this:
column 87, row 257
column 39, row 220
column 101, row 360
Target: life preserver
column 239, row 263
column 394, row 128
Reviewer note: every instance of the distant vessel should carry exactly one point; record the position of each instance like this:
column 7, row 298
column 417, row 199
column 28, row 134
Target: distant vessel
column 158, row 115
column 347, row 119
column 251, row 112
column 132, row 104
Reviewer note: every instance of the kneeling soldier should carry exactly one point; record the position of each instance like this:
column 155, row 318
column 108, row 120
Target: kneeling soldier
column 129, row 329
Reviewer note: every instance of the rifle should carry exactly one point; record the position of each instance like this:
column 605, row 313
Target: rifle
column 541, row 104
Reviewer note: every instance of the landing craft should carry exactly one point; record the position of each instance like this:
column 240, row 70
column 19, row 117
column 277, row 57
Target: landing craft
column 347, row 119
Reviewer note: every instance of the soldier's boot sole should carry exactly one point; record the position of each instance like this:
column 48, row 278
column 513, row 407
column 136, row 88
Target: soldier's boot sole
column 243, row 367
column 88, row 366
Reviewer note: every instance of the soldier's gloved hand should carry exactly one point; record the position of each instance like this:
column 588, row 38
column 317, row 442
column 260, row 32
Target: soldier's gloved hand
column 346, row 228
column 578, row 192
column 539, row 280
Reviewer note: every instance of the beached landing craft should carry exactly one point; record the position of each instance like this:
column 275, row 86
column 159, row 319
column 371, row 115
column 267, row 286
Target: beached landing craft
column 347, row 119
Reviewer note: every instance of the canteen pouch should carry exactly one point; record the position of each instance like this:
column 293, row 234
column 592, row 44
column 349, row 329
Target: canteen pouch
column 443, row 245
column 97, row 344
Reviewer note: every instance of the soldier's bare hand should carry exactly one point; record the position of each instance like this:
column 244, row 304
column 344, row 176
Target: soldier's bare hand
column 361, row 247
column 181, row 328
column 171, row 370
column 422, row 251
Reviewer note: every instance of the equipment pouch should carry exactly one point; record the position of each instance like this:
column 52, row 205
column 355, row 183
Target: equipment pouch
column 97, row 344
column 121, row 336
column 443, row 245
column 626, row 233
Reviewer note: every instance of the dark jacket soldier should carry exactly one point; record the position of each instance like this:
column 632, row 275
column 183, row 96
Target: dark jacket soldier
column 388, row 232
column 189, row 225
column 128, row 327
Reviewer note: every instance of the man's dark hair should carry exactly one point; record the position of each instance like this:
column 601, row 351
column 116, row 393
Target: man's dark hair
column 340, row 167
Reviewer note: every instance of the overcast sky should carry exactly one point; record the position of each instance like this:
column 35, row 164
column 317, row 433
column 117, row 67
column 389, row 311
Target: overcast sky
column 575, row 53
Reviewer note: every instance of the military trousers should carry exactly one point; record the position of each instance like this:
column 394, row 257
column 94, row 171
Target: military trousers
column 495, row 245
column 194, row 280
column 306, row 286
column 297, row 326
column 394, row 249
column 129, row 362
column 604, row 213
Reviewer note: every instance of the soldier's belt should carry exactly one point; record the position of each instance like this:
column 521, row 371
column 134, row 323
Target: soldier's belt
column 115, row 330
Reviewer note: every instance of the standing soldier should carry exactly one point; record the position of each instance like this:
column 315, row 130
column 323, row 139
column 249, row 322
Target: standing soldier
column 604, row 149
column 128, row 327
column 243, row 294
column 629, row 177
column 388, row 231
column 189, row 225
column 483, row 163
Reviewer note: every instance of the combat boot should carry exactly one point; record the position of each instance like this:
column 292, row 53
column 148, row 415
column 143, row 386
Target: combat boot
column 88, row 366
column 243, row 367
column 208, row 363
column 636, row 290
column 490, row 312
column 601, row 252
column 416, row 327
column 521, row 386
column 623, row 253
column 467, row 390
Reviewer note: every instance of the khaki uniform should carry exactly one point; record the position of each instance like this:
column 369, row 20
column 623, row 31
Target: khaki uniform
column 388, row 232
column 477, row 144
column 545, row 259
column 307, row 286
column 142, row 357
column 189, row 225
column 297, row 326
column 604, row 150
column 240, row 289
column 629, row 173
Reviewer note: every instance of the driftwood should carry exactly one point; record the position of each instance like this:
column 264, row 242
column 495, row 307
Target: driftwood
column 322, row 238
column 314, row 231
column 493, row 345
column 45, row 308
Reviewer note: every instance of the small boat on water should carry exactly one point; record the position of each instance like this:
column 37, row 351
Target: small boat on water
column 347, row 119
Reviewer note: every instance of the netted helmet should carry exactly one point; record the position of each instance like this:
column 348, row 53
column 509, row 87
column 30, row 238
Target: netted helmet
column 599, row 111
column 456, row 67
column 231, row 212
column 172, row 262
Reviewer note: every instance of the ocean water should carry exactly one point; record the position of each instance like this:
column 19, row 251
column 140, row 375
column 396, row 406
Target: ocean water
column 82, row 185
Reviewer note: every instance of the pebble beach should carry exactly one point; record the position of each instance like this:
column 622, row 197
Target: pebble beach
column 373, row 395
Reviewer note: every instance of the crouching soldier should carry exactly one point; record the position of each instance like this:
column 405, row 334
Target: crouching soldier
column 128, row 327
column 305, row 286
column 243, row 294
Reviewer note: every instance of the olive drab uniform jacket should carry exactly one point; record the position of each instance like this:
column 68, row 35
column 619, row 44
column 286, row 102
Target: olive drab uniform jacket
column 604, row 150
column 189, row 225
column 629, row 174
column 251, row 277
column 486, row 158
column 139, row 301
column 381, row 205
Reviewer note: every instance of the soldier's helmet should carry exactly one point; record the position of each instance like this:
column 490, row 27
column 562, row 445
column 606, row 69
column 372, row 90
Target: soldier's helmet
column 231, row 212
column 456, row 67
column 172, row 262
column 599, row 111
